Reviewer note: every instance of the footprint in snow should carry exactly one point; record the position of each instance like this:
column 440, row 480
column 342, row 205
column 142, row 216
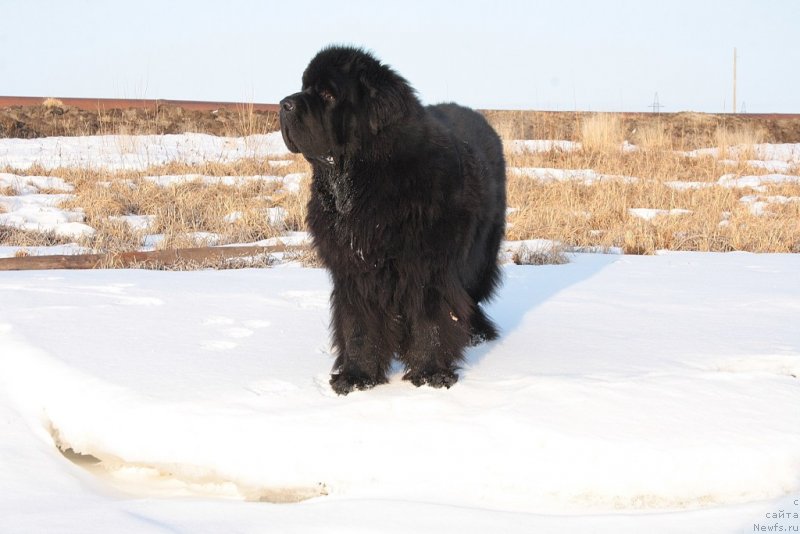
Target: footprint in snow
column 228, row 330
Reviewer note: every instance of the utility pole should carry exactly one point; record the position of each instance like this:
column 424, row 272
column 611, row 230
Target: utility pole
column 734, row 79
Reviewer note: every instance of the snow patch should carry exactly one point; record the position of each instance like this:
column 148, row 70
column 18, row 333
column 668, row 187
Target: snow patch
column 648, row 214
column 757, row 181
column 541, row 145
column 28, row 185
column 135, row 152
column 39, row 212
column 584, row 176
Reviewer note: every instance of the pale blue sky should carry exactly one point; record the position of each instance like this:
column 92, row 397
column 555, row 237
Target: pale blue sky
column 601, row 55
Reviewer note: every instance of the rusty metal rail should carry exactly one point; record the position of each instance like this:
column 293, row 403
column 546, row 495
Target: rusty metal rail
column 130, row 259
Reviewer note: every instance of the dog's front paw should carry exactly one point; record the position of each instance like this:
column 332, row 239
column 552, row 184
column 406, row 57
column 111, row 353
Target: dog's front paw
column 437, row 378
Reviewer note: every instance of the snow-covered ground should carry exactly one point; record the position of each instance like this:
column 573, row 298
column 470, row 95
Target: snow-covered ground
column 135, row 152
column 30, row 209
column 584, row 176
column 627, row 394
column 42, row 213
column 780, row 157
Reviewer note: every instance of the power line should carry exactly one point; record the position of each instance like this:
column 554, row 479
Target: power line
column 656, row 105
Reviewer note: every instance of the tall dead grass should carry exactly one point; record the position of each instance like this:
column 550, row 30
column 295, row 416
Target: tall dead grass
column 705, row 217
column 738, row 143
column 601, row 133
column 709, row 217
column 652, row 137
column 185, row 213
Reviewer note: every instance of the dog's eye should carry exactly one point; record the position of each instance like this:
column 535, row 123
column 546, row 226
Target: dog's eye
column 327, row 95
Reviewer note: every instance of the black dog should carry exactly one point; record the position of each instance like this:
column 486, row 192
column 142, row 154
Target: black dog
column 407, row 212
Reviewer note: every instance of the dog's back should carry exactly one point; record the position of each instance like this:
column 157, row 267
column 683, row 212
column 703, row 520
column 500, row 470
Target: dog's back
column 481, row 274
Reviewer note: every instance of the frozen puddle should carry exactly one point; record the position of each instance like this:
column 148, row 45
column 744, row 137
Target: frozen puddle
column 178, row 481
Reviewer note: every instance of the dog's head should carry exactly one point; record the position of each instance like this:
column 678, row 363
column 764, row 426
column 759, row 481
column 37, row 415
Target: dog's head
column 348, row 98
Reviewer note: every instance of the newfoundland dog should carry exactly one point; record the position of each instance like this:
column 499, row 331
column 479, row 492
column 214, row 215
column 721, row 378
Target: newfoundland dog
column 407, row 212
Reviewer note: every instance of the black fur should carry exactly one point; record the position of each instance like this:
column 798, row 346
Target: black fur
column 407, row 212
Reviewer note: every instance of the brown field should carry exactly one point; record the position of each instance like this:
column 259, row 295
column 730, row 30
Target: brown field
column 573, row 212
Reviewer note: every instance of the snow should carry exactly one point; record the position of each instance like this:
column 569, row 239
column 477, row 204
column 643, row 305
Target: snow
column 769, row 166
column 276, row 216
column 626, row 394
column 291, row 182
column 520, row 146
column 135, row 152
column 648, row 214
column 584, row 176
column 683, row 186
column 530, row 249
column 166, row 180
column 772, row 157
column 756, row 181
column 9, row 251
column 765, row 153
column 138, row 223
column 30, row 209
column 40, row 212
column 541, row 145
column 611, row 403
column 759, row 204
column 289, row 239
column 26, row 185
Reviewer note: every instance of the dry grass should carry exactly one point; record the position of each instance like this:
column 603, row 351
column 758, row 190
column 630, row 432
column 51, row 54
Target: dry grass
column 52, row 103
column 555, row 255
column 307, row 257
column 215, row 264
column 601, row 133
column 727, row 138
column 652, row 137
column 185, row 214
column 11, row 236
column 598, row 215
column 571, row 212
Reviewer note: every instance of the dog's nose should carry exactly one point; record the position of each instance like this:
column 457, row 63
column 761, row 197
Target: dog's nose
column 288, row 104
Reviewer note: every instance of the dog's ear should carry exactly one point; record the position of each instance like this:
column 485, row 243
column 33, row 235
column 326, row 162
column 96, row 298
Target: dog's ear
column 387, row 96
